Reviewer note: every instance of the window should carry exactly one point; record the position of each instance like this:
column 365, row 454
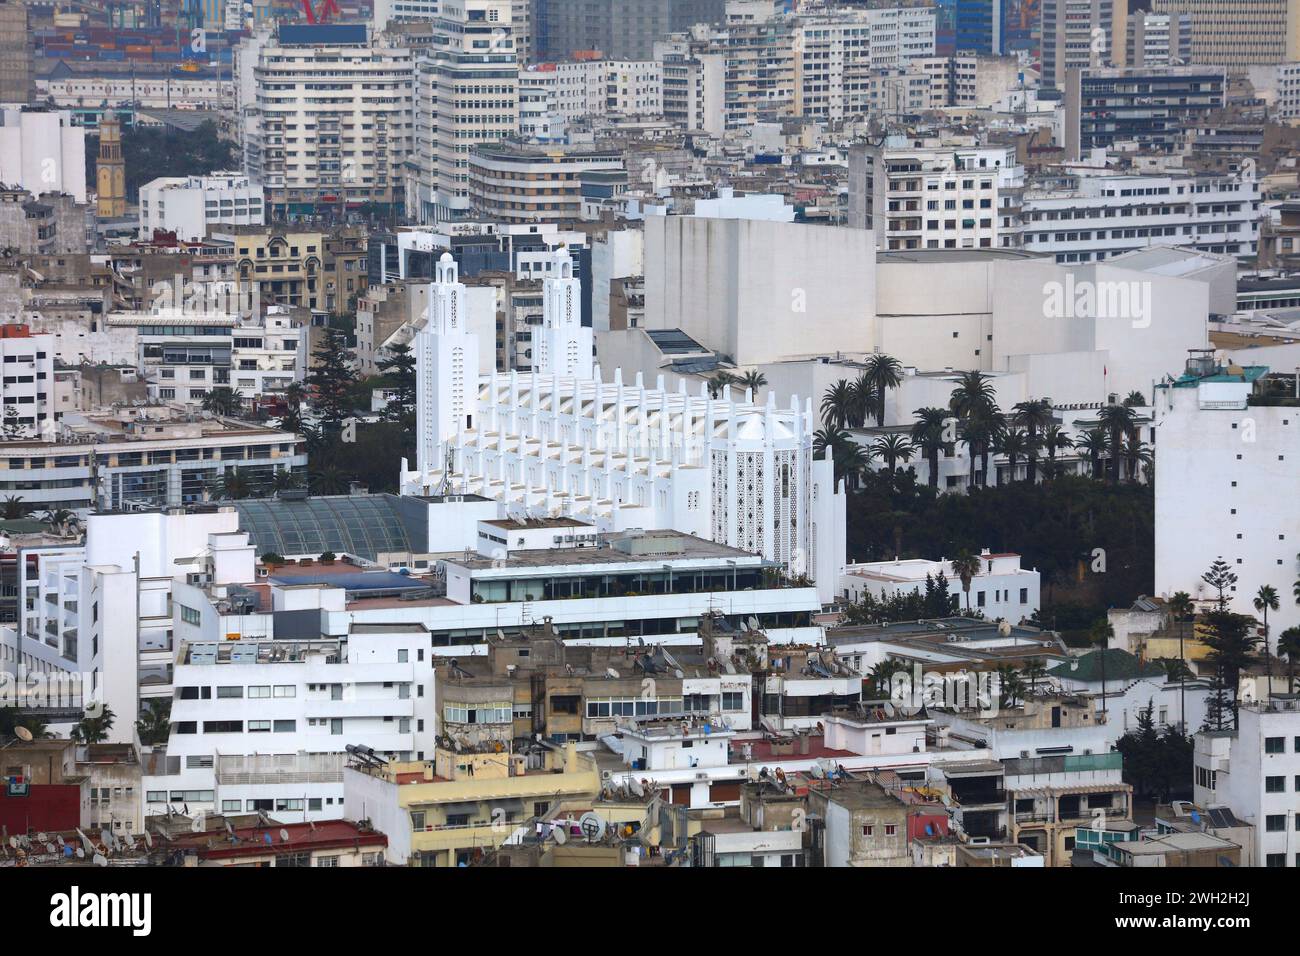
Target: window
column 1275, row 784
column 733, row 700
column 1275, row 823
column 1277, row 860
column 230, row 806
column 890, row 829
column 286, row 690
column 1274, row 745
column 190, row 616
column 229, row 692
column 259, row 726
column 223, row 726
column 332, row 861
column 258, row 693
column 285, row 726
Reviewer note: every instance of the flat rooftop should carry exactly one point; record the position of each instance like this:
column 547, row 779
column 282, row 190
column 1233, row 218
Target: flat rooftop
column 622, row 548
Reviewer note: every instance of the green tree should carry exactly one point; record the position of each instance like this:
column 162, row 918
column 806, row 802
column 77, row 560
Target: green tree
column 1119, row 423
column 330, row 382
column 928, row 435
column 1232, row 641
column 838, row 406
column 1011, row 689
column 1101, row 634
column 1055, row 440
column 1288, row 646
column 154, row 725
column 882, row 373
column 966, row 565
column 14, row 507
column 753, row 379
column 12, row 429
column 1266, row 600
column 223, row 400
column 94, row 730
column 328, row 480
column 719, row 381
column 1035, row 416
column 1220, row 577
column 398, row 369
column 1014, row 443
column 233, row 485
column 892, row 449
column 1095, row 444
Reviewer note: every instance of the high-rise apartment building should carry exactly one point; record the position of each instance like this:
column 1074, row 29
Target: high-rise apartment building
column 326, row 116
column 1080, row 33
column 1240, row 33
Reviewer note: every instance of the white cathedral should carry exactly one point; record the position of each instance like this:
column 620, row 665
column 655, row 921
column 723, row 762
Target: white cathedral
column 559, row 441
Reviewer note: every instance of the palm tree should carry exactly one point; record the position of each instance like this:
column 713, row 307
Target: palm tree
column 1266, row 600
column 223, row 400
column 883, row 372
column 1010, row 686
column 1183, row 611
column 1055, row 439
column 851, row 461
column 154, row 725
column 1014, row 443
column 1101, row 633
column 94, row 730
column 965, row 566
column 978, row 433
column 1094, row 444
column 328, row 480
column 1120, row 422
column 1035, row 671
column 233, row 485
column 14, row 507
column 753, row 379
column 1288, row 646
column 1034, row 415
column 927, row 435
column 718, row 381
column 893, row 449
column 286, row 479
column 1135, row 399
column 838, row 405
column 1136, row 454
column 829, row 438
column 973, row 394
column 59, row 519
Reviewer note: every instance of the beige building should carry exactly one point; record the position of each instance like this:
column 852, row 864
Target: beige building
column 1240, row 33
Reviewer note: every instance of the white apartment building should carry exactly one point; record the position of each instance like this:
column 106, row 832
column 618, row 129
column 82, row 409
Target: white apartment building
column 43, row 152
column 269, row 356
column 1287, row 105
column 814, row 63
column 27, row 389
column 466, row 93
column 124, row 91
column 1255, row 772
column 190, row 205
column 1001, row 590
column 182, row 355
column 140, row 457
column 1094, row 215
column 928, row 194
column 1238, row 507
column 325, row 114
column 1158, row 39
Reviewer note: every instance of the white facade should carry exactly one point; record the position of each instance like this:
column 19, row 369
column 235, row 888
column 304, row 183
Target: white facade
column 1255, row 772
column 189, row 206
column 466, row 93
column 761, row 291
column 936, row 196
column 43, row 152
column 1104, row 215
column 565, row 344
column 565, row 442
column 1231, row 468
column 1001, row 590
column 27, row 390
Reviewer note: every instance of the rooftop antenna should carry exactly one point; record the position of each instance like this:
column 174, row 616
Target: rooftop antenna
column 284, row 835
column 23, row 734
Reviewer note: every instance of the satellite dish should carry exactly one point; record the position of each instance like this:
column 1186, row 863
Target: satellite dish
column 284, row 835
column 592, row 826
column 23, row 734
column 59, row 839
column 50, row 848
column 100, row 860
column 13, row 843
column 42, row 837
column 148, row 839
column 561, row 837
column 752, row 623
column 611, row 673
column 81, row 854
column 678, row 674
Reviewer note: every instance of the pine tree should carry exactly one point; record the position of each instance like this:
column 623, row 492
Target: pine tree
column 331, row 380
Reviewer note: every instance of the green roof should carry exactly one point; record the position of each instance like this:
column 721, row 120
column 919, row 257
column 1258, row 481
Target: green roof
column 1120, row 665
